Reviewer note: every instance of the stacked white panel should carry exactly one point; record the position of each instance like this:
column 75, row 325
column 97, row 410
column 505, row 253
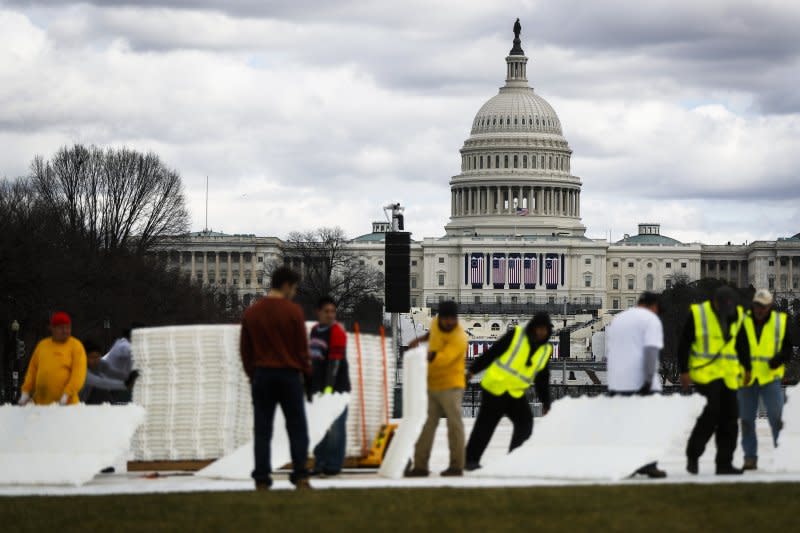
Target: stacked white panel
column 197, row 396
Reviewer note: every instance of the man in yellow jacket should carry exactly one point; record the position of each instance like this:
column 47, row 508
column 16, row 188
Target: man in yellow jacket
column 57, row 368
column 517, row 360
column 447, row 352
column 770, row 338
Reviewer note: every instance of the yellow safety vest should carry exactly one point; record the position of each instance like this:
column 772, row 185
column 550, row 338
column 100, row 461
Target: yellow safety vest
column 511, row 372
column 765, row 348
column 711, row 357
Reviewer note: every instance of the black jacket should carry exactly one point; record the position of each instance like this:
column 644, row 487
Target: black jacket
column 688, row 338
column 541, row 382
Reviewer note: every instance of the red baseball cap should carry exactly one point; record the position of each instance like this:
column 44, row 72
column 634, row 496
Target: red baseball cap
column 60, row 318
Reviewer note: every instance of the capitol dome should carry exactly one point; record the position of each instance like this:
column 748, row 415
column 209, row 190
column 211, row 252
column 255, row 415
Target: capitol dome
column 515, row 166
column 516, row 109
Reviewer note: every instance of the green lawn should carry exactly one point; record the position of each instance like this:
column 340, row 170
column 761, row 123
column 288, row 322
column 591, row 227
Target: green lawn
column 757, row 508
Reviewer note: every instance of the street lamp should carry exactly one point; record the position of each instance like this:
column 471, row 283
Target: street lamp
column 16, row 366
column 107, row 328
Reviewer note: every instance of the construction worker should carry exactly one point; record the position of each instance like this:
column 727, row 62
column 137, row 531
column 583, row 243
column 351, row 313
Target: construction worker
column 713, row 354
column 274, row 351
column 634, row 341
column 770, row 348
column 447, row 351
column 57, row 368
column 328, row 348
column 516, row 361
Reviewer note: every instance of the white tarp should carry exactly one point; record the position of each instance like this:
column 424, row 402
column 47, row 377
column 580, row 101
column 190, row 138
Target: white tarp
column 600, row 438
column 787, row 455
column 320, row 414
column 415, row 412
column 53, row 445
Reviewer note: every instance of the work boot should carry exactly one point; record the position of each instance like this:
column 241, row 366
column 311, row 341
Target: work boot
column 750, row 463
column 729, row 470
column 691, row 466
column 302, row 484
column 652, row 471
column 469, row 467
column 452, row 472
column 263, row 485
column 417, row 472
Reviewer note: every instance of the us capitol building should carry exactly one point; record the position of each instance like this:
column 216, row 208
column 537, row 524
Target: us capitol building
column 515, row 242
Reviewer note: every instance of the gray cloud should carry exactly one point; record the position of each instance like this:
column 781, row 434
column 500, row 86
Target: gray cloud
column 317, row 113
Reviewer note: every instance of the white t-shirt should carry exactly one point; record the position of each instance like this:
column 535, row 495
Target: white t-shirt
column 626, row 338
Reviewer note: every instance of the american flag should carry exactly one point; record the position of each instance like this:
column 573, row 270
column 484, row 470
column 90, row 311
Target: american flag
column 476, row 271
column 499, row 270
column 514, row 271
column 530, row 271
column 522, row 212
column 551, row 271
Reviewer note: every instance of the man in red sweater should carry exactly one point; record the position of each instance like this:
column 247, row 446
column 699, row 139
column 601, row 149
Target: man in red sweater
column 328, row 347
column 275, row 357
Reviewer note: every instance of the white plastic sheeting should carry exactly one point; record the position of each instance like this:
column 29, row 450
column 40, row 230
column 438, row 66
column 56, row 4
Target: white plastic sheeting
column 787, row 455
column 320, row 414
column 600, row 438
column 415, row 411
column 194, row 390
column 53, row 445
column 198, row 398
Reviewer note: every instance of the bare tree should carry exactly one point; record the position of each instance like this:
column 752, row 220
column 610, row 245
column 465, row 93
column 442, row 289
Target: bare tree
column 114, row 198
column 330, row 268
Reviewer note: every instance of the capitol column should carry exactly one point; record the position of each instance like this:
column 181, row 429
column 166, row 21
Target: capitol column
column 205, row 267
column 229, row 274
column 498, row 201
column 547, row 200
column 530, row 200
column 193, row 270
column 510, row 200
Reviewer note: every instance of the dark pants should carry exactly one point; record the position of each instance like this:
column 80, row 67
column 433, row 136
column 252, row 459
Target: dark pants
column 492, row 409
column 719, row 417
column 329, row 453
column 272, row 387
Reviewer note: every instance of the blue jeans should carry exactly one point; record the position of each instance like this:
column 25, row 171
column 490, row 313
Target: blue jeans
column 329, row 453
column 772, row 396
column 272, row 387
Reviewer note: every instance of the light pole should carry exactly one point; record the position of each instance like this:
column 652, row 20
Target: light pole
column 107, row 328
column 17, row 364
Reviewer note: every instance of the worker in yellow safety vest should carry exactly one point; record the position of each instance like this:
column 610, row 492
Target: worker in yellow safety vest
column 714, row 355
column 516, row 361
column 770, row 348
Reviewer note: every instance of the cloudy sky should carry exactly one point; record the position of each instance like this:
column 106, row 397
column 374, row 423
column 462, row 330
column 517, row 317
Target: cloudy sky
column 318, row 112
